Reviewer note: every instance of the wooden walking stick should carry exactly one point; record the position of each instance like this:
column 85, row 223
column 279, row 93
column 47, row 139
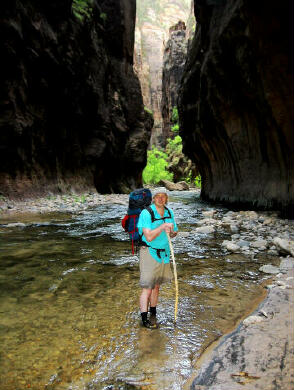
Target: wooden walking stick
column 175, row 275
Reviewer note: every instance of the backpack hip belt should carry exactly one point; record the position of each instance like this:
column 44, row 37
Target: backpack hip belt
column 158, row 250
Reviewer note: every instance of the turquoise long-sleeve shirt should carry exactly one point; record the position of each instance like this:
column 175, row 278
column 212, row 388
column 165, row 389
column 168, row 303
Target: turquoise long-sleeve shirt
column 161, row 241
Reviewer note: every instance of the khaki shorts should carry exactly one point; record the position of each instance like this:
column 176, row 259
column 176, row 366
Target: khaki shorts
column 151, row 271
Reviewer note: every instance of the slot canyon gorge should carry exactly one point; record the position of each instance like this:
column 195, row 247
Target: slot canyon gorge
column 74, row 91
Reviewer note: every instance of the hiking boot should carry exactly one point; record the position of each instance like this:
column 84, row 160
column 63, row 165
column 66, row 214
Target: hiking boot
column 152, row 319
column 150, row 325
column 152, row 310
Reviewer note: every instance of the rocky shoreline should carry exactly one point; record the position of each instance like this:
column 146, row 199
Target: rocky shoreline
column 70, row 203
column 260, row 352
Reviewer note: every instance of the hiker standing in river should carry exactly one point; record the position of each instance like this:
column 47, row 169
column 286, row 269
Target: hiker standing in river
column 154, row 224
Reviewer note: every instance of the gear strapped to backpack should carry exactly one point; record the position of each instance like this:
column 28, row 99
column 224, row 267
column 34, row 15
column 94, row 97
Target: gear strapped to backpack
column 139, row 200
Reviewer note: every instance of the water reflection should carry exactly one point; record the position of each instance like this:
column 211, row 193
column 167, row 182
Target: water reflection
column 69, row 302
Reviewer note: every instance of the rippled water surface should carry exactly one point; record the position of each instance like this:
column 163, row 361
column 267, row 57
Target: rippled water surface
column 69, row 302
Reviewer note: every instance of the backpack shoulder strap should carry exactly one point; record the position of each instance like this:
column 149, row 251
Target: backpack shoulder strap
column 149, row 209
column 151, row 212
column 168, row 210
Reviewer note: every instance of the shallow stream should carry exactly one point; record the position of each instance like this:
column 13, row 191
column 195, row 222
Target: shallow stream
column 69, row 301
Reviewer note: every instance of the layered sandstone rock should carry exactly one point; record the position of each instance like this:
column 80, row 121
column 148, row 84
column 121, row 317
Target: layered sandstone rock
column 72, row 110
column 174, row 59
column 152, row 32
column 236, row 103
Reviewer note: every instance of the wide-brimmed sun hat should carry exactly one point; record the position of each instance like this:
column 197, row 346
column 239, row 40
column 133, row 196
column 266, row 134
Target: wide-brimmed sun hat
column 159, row 190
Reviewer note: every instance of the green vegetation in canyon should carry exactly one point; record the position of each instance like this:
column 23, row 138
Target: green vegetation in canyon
column 161, row 164
column 82, row 9
column 156, row 168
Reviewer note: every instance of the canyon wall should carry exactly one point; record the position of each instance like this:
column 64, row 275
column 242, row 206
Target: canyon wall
column 72, row 115
column 154, row 18
column 174, row 60
column 236, row 102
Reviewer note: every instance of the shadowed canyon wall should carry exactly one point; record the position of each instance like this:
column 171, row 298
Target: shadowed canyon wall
column 154, row 18
column 174, row 59
column 236, row 102
column 72, row 114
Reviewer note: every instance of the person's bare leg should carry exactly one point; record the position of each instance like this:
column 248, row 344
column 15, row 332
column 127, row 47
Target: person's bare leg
column 154, row 296
column 144, row 299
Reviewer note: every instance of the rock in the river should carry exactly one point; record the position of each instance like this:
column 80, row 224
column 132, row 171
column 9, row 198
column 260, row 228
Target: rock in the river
column 16, row 224
column 243, row 243
column 259, row 244
column 285, row 246
column 287, row 264
column 205, row 229
column 230, row 246
column 208, row 213
column 234, row 228
column 252, row 320
column 180, row 186
column 269, row 269
column 207, row 221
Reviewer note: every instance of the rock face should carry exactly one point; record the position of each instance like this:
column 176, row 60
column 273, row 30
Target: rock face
column 154, row 18
column 72, row 110
column 236, row 103
column 259, row 353
column 174, row 59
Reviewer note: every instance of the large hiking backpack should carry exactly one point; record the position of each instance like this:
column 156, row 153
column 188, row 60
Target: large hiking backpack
column 138, row 200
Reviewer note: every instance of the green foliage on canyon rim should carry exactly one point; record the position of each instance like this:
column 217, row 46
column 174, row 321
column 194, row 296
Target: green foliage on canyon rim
column 82, row 9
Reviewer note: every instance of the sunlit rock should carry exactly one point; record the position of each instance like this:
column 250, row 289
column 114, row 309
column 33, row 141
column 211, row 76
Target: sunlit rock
column 230, row 246
column 287, row 264
column 205, row 229
column 252, row 320
column 208, row 213
column 269, row 269
column 284, row 246
column 259, row 244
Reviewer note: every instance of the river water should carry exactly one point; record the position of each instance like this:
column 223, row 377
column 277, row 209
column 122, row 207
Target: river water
column 69, row 301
